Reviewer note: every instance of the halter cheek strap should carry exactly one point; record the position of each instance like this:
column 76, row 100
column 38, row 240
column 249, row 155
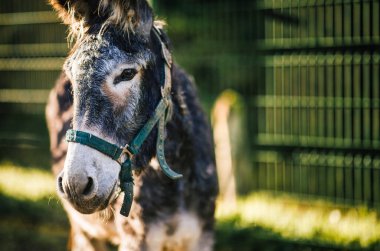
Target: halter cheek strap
column 160, row 116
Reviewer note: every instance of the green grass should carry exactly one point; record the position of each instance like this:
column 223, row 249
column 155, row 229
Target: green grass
column 31, row 214
column 21, row 183
column 283, row 217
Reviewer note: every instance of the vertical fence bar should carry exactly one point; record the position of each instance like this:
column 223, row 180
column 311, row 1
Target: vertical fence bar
column 376, row 185
column 375, row 115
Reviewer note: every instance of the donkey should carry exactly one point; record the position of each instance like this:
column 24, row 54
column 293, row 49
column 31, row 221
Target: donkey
column 119, row 87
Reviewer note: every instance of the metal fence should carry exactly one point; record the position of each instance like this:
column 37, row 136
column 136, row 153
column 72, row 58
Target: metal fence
column 32, row 50
column 317, row 109
column 308, row 72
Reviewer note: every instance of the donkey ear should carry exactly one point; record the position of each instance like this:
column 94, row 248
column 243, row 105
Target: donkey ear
column 62, row 7
column 71, row 11
column 144, row 18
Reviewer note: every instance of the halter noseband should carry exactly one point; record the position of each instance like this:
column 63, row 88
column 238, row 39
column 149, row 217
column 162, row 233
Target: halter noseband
column 160, row 116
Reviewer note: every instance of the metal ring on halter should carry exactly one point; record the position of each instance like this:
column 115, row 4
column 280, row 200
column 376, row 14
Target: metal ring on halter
column 125, row 150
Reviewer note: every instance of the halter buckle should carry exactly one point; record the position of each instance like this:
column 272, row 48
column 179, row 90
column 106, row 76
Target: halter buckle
column 126, row 151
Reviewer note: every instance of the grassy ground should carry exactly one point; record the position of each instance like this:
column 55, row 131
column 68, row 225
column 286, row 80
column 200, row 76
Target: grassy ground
column 31, row 216
column 293, row 224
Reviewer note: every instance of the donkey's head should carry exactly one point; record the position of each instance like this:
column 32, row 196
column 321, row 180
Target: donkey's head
column 115, row 75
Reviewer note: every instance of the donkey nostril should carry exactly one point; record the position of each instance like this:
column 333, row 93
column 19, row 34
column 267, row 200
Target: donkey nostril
column 89, row 187
column 60, row 185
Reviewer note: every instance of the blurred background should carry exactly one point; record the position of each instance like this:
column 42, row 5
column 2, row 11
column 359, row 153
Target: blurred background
column 291, row 88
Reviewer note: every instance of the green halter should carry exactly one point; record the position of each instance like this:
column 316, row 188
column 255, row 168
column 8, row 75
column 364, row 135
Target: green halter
column 116, row 152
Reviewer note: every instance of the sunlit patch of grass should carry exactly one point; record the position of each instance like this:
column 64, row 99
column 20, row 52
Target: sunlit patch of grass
column 316, row 221
column 26, row 183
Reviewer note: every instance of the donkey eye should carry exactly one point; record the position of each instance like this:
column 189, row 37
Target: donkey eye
column 126, row 75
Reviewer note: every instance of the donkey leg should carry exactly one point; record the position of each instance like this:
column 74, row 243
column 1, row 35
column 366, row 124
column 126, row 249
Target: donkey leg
column 205, row 242
column 80, row 241
column 129, row 244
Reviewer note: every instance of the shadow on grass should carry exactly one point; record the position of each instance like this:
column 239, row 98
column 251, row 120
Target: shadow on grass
column 231, row 237
column 26, row 157
column 29, row 225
